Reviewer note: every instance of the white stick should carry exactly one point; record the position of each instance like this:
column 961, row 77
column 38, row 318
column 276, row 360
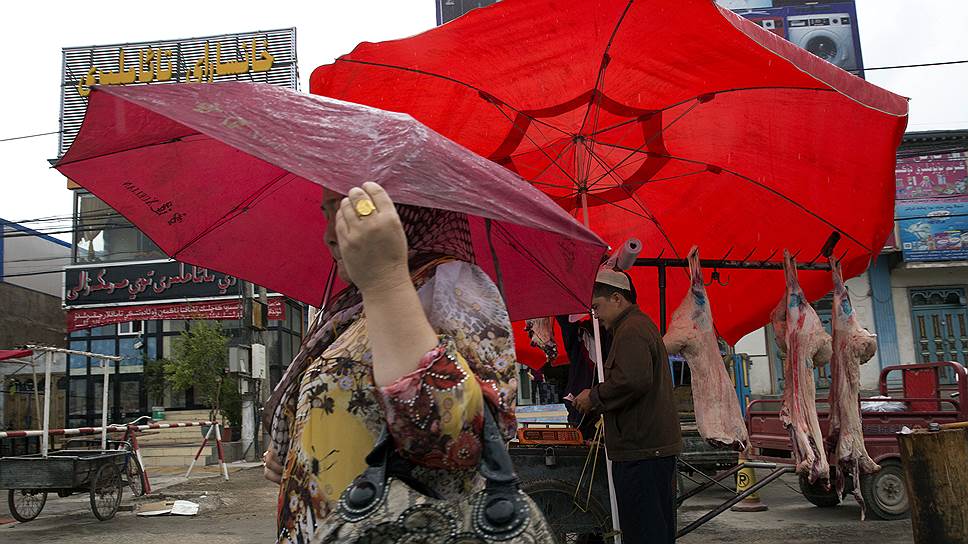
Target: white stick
column 45, row 441
column 600, row 365
column 104, row 406
column 33, row 371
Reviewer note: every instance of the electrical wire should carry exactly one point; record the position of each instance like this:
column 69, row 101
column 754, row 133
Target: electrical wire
column 29, row 136
column 900, row 66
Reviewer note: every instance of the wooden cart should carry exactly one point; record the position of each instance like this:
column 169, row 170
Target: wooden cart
column 31, row 477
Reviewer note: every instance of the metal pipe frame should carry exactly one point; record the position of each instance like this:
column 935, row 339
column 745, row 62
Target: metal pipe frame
column 731, row 264
column 778, row 471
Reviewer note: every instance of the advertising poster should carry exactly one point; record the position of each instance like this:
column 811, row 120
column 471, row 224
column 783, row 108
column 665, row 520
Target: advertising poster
column 932, row 176
column 828, row 29
column 933, row 230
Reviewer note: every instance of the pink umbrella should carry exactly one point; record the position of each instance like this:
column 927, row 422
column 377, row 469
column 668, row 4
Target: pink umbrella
column 230, row 176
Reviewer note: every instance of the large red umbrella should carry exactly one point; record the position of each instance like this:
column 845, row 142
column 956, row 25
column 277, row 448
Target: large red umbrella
column 230, row 176
column 673, row 121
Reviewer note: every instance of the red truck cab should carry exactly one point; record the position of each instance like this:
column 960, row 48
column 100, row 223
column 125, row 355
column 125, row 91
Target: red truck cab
column 918, row 396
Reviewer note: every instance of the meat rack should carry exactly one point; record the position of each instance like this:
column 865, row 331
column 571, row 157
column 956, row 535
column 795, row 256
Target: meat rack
column 661, row 264
column 776, row 470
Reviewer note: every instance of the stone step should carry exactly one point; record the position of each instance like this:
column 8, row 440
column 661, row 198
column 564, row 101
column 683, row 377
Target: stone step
column 173, row 451
column 174, row 461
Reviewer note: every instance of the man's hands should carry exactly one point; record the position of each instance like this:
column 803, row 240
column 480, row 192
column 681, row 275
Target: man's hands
column 271, row 469
column 583, row 402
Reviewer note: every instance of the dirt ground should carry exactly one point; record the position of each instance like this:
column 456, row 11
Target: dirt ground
column 241, row 511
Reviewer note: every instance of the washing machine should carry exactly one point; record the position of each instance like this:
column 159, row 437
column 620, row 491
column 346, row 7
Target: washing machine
column 829, row 36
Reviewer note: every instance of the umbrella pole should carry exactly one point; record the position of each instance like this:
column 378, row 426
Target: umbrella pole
column 608, row 462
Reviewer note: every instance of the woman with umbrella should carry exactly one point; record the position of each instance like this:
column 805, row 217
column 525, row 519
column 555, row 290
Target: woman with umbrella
column 419, row 344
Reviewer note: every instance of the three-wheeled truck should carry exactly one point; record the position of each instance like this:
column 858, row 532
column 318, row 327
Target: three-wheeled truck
column 918, row 397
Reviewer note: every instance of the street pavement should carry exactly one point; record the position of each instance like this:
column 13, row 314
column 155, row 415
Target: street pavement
column 242, row 511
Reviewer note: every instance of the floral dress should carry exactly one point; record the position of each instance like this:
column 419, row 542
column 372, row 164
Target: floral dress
column 434, row 414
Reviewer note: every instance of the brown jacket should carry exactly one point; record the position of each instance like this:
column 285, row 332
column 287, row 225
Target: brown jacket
column 641, row 417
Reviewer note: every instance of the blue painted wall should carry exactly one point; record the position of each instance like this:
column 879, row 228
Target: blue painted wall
column 883, row 302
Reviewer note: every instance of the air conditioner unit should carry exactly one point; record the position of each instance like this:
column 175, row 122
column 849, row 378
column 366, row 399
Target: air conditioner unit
column 239, row 360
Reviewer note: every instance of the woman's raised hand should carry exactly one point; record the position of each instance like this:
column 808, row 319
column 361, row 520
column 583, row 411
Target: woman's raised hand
column 372, row 242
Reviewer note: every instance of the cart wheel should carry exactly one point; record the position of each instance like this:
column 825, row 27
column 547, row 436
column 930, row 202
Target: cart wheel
column 816, row 494
column 885, row 491
column 135, row 475
column 26, row 504
column 569, row 523
column 106, row 490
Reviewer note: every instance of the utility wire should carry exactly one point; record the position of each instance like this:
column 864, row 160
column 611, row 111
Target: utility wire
column 896, row 67
column 899, row 66
column 29, row 136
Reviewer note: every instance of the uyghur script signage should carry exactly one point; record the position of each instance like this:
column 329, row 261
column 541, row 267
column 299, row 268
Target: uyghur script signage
column 85, row 318
column 932, row 176
column 144, row 282
column 262, row 57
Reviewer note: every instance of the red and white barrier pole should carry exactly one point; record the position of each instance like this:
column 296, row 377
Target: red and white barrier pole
column 96, row 430
column 216, row 428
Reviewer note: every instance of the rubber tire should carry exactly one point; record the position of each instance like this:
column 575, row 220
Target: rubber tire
column 111, row 475
column 135, row 476
column 890, row 468
column 18, row 515
column 566, row 491
column 816, row 494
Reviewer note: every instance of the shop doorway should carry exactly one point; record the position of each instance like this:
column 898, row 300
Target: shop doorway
column 940, row 322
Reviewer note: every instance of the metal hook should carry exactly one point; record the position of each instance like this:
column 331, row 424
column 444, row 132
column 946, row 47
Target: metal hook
column 716, row 278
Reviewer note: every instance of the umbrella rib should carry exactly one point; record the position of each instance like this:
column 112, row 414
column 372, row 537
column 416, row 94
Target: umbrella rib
column 239, row 208
column 645, row 210
column 724, row 91
column 118, row 152
column 481, row 92
column 545, row 169
column 602, row 67
column 764, row 187
column 541, row 149
column 646, row 142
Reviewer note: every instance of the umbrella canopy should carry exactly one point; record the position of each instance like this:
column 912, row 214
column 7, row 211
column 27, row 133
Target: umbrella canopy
column 673, row 121
column 230, row 176
column 14, row 353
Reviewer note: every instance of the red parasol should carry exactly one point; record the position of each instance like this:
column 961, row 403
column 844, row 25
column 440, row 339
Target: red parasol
column 14, row 353
column 230, row 176
column 673, row 121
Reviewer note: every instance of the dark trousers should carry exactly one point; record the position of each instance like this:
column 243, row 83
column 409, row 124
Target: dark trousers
column 646, row 493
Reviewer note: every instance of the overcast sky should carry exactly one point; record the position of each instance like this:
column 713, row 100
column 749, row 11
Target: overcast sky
column 892, row 32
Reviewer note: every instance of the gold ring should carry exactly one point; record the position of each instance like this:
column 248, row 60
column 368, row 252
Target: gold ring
column 364, row 207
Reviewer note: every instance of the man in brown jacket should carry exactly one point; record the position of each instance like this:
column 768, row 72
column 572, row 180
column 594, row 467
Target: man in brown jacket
column 642, row 435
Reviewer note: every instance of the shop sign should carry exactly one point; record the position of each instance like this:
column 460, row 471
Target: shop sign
column 217, row 309
column 932, row 176
column 143, row 282
column 933, row 230
column 259, row 57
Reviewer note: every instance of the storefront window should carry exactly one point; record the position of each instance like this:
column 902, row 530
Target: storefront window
column 132, row 361
column 107, row 330
column 77, row 406
column 152, row 346
column 103, row 235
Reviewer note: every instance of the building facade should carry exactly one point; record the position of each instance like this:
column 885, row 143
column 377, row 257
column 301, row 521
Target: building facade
column 121, row 293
